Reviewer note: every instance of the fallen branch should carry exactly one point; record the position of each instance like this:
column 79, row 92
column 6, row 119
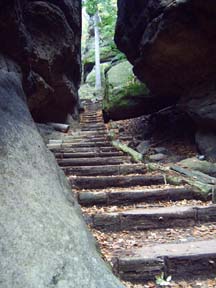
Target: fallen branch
column 204, row 190
column 137, row 157
column 201, row 177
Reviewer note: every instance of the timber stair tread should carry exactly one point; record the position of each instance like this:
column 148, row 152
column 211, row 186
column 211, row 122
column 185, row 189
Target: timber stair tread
column 90, row 138
column 93, row 161
column 101, row 170
column 83, row 182
column 61, row 149
column 179, row 260
column 153, row 218
column 134, row 196
column 88, row 154
column 87, row 144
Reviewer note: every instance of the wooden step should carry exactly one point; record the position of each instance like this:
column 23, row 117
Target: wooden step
column 89, row 114
column 60, row 149
column 134, row 196
column 154, row 218
column 93, row 161
column 105, row 170
column 92, row 145
column 100, row 124
column 87, row 124
column 92, row 119
column 92, row 122
column 183, row 260
column 92, row 138
column 86, row 140
column 93, row 129
column 88, row 154
column 86, row 145
column 83, row 134
column 115, row 181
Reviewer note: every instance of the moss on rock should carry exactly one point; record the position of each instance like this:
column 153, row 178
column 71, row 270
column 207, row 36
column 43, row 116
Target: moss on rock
column 123, row 93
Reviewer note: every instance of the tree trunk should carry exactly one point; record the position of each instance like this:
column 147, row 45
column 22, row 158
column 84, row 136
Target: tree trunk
column 97, row 52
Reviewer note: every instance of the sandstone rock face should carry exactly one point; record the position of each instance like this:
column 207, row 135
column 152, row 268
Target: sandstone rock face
column 44, row 241
column 43, row 37
column 126, row 97
column 172, row 45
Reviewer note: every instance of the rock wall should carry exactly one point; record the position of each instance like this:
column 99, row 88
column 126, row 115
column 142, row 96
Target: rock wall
column 171, row 45
column 43, row 37
column 124, row 96
column 44, row 241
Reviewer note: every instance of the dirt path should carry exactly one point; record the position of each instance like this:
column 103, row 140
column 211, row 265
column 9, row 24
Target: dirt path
column 144, row 227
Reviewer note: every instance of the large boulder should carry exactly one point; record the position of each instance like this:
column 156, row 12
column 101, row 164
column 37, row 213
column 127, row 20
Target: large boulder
column 126, row 97
column 91, row 78
column 43, row 37
column 44, row 241
column 171, row 45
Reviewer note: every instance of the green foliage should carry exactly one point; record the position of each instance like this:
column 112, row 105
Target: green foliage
column 91, row 6
column 162, row 281
column 135, row 88
column 123, row 92
column 107, row 11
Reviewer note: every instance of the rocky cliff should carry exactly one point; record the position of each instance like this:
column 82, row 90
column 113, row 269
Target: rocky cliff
column 43, row 37
column 44, row 241
column 171, row 45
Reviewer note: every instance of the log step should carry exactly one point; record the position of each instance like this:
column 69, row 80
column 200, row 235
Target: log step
column 133, row 196
column 105, row 170
column 92, row 125
column 154, row 218
column 93, row 161
column 87, row 137
column 92, row 138
column 88, row 154
column 91, row 119
column 91, row 145
column 91, row 116
column 87, row 144
column 83, row 133
column 85, row 140
column 60, row 149
column 93, row 129
column 183, row 260
column 115, row 181
column 91, row 122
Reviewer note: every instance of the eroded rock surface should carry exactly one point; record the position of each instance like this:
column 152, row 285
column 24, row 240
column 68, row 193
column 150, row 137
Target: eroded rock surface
column 43, row 37
column 171, row 45
column 44, row 241
column 125, row 96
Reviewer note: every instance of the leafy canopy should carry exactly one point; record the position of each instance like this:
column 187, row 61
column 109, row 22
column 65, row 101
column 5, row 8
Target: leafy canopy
column 104, row 6
column 107, row 10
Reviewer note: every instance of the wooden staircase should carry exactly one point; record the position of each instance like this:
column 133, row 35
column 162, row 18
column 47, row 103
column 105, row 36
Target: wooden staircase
column 137, row 201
